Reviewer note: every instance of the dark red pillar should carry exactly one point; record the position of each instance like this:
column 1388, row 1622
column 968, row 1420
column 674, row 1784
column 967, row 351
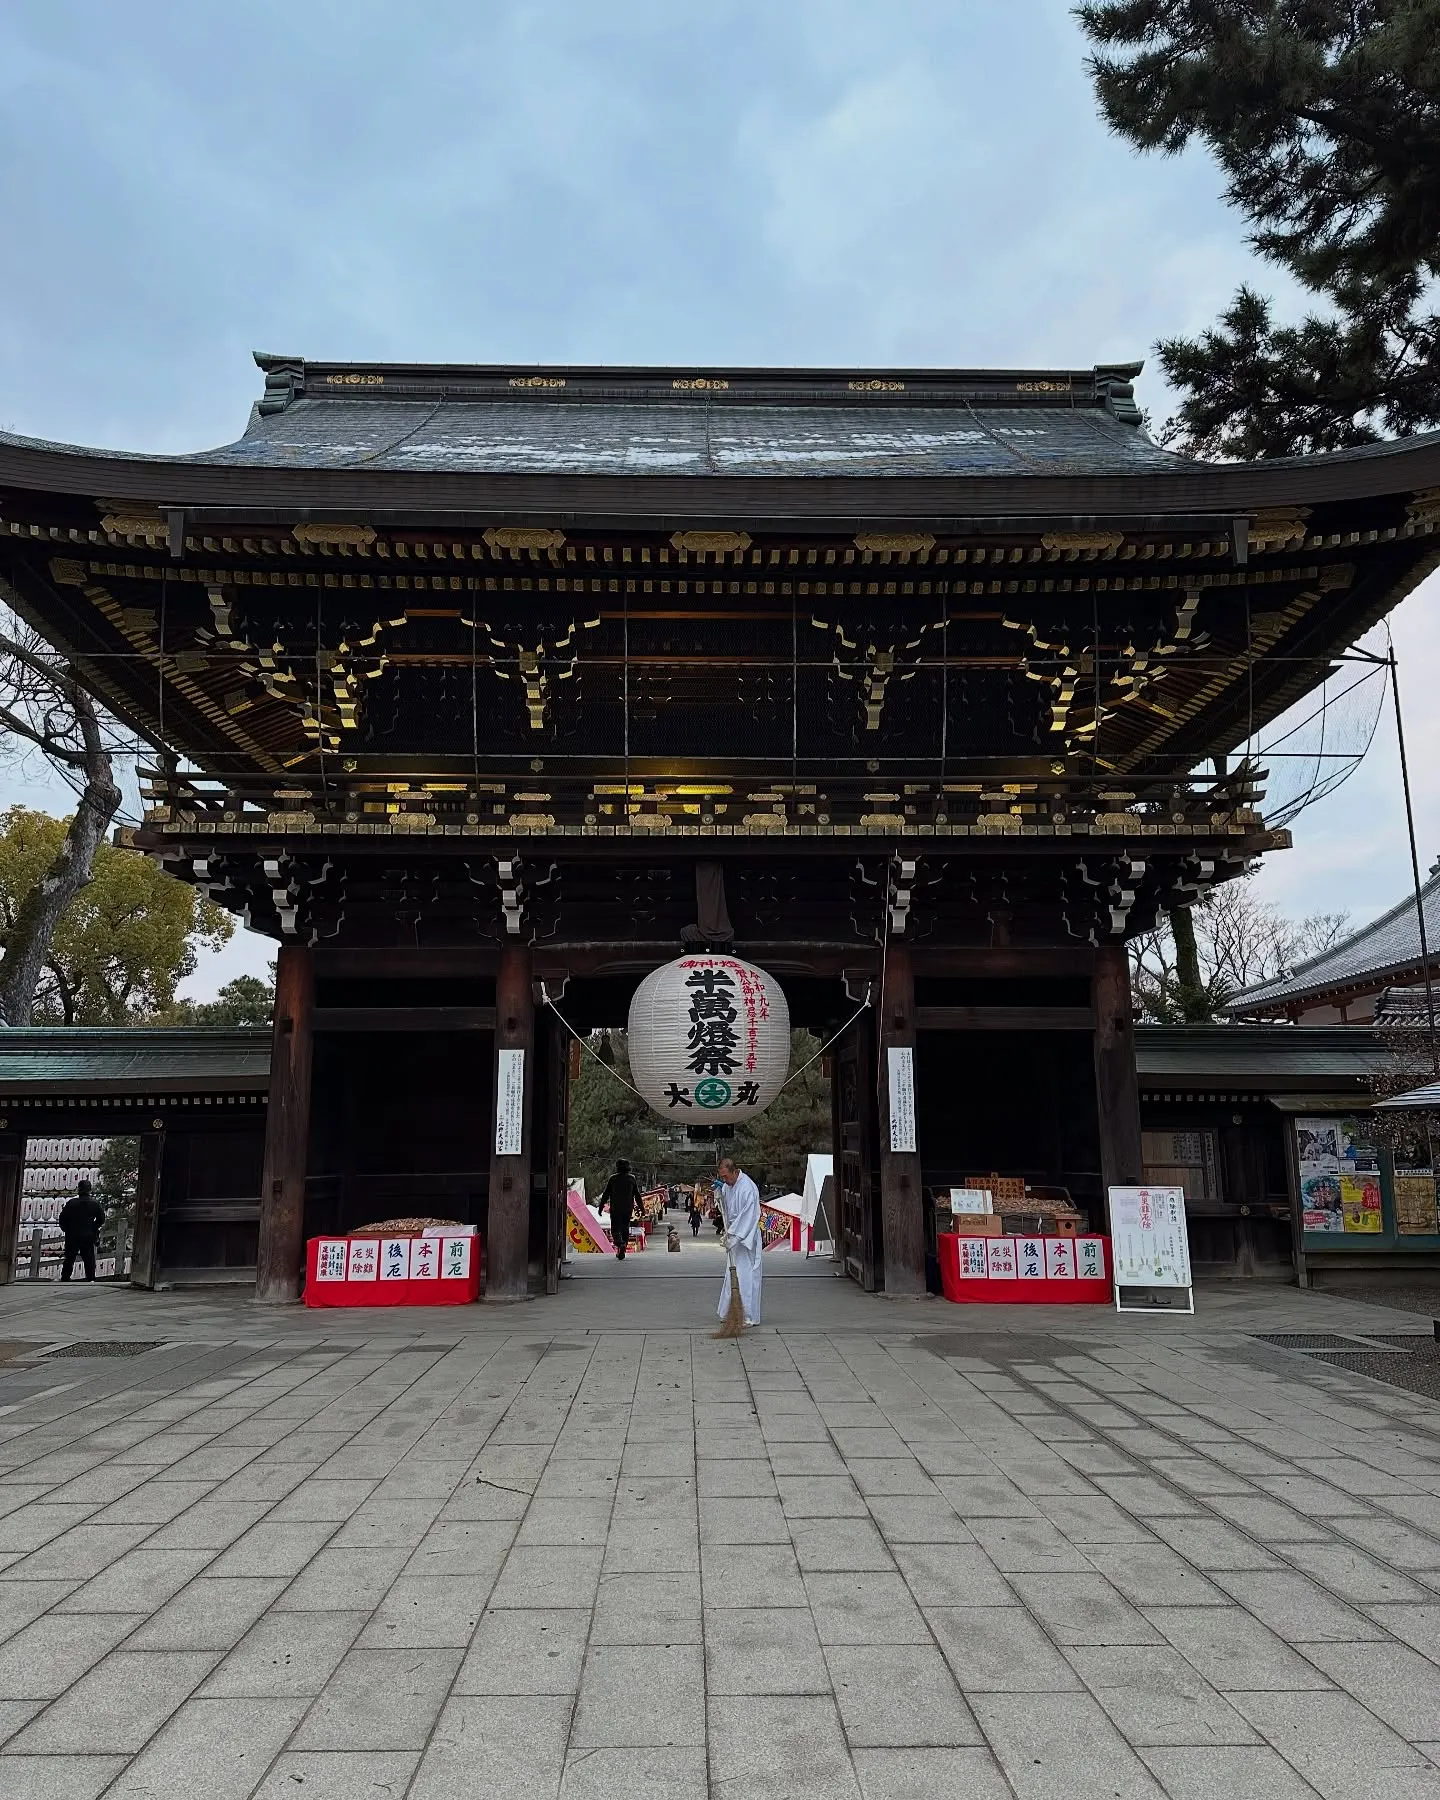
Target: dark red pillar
column 1117, row 1085
column 280, row 1259
column 507, row 1249
column 902, row 1212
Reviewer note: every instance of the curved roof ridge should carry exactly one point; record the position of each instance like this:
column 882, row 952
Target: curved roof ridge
column 1339, row 961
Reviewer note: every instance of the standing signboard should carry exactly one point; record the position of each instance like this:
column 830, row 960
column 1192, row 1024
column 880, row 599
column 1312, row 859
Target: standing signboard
column 1150, row 1249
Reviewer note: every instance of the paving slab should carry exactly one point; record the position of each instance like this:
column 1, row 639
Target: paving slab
column 875, row 1552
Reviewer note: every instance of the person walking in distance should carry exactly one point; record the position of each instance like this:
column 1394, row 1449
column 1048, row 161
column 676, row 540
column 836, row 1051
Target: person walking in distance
column 696, row 1210
column 621, row 1192
column 80, row 1220
column 740, row 1204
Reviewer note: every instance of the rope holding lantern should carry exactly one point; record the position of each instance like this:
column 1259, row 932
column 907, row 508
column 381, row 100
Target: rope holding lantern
column 709, row 1039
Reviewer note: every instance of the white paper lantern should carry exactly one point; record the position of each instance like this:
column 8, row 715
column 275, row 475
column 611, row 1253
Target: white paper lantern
column 709, row 1039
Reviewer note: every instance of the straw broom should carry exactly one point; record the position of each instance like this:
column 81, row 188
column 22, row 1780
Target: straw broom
column 733, row 1324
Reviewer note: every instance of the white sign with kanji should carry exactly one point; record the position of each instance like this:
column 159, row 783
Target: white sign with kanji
column 424, row 1259
column 1001, row 1252
column 454, row 1258
column 1090, row 1258
column 394, row 1259
column 900, row 1065
column 1030, row 1259
column 510, row 1103
column 364, row 1259
column 330, row 1262
column 1148, row 1239
column 974, row 1259
column 1059, row 1259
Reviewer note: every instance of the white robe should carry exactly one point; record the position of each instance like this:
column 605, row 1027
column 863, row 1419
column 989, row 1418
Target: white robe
column 741, row 1207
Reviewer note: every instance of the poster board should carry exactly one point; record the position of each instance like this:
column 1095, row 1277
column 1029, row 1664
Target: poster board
column 1150, row 1249
column 1340, row 1188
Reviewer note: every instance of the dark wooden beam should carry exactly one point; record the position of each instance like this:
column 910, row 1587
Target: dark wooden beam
column 1117, row 1086
column 280, row 1259
column 902, row 1219
column 404, row 1018
column 1004, row 1018
column 147, row 1206
column 507, row 1249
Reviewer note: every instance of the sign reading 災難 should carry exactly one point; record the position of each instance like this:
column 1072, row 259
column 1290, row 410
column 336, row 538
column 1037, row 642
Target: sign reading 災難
column 901, row 1070
column 1149, row 1242
column 510, row 1103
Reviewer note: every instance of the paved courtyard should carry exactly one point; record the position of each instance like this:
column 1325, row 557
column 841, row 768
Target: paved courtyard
column 876, row 1550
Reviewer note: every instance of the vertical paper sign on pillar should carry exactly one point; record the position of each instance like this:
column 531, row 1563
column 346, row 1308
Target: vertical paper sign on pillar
column 900, row 1062
column 510, row 1104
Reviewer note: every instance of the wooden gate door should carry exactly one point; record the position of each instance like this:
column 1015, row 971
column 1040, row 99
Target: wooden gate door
column 853, row 1104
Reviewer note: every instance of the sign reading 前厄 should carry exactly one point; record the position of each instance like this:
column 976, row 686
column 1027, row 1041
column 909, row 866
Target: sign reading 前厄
column 510, row 1103
column 1149, row 1243
column 901, row 1069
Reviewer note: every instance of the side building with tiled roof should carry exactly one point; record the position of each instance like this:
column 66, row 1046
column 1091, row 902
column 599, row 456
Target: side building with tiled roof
column 1343, row 985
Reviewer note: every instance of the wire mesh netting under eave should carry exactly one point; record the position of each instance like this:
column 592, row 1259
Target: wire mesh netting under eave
column 1321, row 741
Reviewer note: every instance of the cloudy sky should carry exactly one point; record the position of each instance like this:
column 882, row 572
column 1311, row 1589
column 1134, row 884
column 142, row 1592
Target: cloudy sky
column 810, row 181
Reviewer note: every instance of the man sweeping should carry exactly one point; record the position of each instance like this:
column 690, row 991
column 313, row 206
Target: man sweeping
column 740, row 1204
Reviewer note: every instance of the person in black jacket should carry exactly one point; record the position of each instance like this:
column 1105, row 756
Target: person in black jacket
column 80, row 1220
column 621, row 1193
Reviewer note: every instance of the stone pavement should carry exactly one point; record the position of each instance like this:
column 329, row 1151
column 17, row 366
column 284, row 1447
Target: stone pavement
column 875, row 1550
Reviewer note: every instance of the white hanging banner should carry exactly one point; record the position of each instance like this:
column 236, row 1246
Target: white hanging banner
column 510, row 1103
column 901, row 1068
column 1149, row 1244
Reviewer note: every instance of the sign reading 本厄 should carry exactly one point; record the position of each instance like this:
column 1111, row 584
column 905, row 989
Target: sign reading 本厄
column 1149, row 1241
column 709, row 1039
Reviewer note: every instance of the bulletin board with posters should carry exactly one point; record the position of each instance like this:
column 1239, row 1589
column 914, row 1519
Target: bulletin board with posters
column 1353, row 1194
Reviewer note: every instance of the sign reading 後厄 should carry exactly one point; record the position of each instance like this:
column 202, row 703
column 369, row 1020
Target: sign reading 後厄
column 1149, row 1244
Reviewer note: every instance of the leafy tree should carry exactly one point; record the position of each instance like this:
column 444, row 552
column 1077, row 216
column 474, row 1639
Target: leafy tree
column 1324, row 116
column 43, row 708
column 117, row 1187
column 1195, row 962
column 124, row 941
column 247, row 1000
column 772, row 1149
column 608, row 1121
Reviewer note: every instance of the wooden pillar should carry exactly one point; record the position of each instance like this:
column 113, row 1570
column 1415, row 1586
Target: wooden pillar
column 902, row 1211
column 1117, row 1086
column 507, row 1250
column 147, row 1206
column 280, row 1260
column 12, row 1171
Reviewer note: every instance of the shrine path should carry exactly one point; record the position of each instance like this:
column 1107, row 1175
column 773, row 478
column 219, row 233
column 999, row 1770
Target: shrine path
column 875, row 1550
